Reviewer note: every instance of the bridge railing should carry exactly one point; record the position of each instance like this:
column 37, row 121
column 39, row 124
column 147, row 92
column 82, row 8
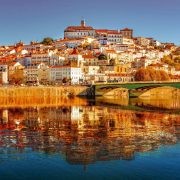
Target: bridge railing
column 137, row 82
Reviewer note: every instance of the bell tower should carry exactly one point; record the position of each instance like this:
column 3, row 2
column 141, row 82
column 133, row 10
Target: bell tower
column 83, row 23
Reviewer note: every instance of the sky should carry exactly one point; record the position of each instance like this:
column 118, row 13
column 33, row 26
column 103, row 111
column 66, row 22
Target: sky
column 32, row 20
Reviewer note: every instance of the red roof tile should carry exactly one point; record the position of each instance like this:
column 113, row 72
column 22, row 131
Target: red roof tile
column 89, row 56
column 78, row 28
column 75, row 52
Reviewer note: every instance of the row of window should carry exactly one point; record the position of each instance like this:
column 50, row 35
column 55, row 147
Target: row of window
column 67, row 73
column 61, row 77
column 114, row 40
column 80, row 34
column 41, row 57
column 127, row 33
column 114, row 36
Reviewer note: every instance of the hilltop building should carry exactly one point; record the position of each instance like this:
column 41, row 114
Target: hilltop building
column 73, row 32
column 104, row 36
column 127, row 33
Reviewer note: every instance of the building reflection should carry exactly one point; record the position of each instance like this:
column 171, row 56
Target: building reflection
column 86, row 134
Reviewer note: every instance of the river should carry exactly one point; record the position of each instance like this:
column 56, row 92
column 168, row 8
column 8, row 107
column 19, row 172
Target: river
column 90, row 139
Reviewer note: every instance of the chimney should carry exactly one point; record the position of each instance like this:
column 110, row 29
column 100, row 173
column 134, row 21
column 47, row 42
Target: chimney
column 83, row 23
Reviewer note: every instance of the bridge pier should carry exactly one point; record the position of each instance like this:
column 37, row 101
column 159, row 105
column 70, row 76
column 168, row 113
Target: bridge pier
column 89, row 92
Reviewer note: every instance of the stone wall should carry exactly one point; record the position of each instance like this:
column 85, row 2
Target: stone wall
column 49, row 91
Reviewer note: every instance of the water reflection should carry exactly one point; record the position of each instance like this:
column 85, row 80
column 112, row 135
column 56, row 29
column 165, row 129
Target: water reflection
column 85, row 134
column 168, row 104
column 46, row 101
column 171, row 104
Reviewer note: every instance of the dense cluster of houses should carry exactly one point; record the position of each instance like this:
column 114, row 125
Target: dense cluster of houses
column 84, row 56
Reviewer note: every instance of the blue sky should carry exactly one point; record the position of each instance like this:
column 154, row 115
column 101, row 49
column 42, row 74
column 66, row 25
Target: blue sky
column 28, row 20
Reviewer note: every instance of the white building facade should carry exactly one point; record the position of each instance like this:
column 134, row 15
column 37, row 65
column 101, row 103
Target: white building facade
column 71, row 74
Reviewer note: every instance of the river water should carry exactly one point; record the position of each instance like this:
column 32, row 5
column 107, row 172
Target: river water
column 91, row 139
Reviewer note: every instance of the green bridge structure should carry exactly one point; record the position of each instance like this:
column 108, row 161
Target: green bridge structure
column 135, row 89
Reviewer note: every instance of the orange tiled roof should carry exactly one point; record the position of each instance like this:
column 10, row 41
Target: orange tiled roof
column 12, row 63
column 106, row 31
column 61, row 67
column 78, row 28
column 110, row 51
column 75, row 52
column 89, row 56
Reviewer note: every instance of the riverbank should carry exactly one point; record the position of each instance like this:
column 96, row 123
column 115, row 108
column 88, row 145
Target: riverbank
column 40, row 102
column 41, row 91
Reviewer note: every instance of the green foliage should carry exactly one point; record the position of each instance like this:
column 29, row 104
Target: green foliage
column 47, row 41
column 151, row 75
column 102, row 57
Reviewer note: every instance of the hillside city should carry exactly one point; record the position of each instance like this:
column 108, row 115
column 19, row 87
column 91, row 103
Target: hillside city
column 86, row 56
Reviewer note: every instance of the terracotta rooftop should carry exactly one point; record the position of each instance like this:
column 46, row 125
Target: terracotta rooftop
column 106, row 31
column 110, row 51
column 89, row 56
column 55, row 67
column 78, row 28
column 75, row 52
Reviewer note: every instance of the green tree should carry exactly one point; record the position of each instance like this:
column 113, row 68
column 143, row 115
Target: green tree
column 47, row 41
column 102, row 57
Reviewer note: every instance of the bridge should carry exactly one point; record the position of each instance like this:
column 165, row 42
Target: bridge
column 134, row 89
